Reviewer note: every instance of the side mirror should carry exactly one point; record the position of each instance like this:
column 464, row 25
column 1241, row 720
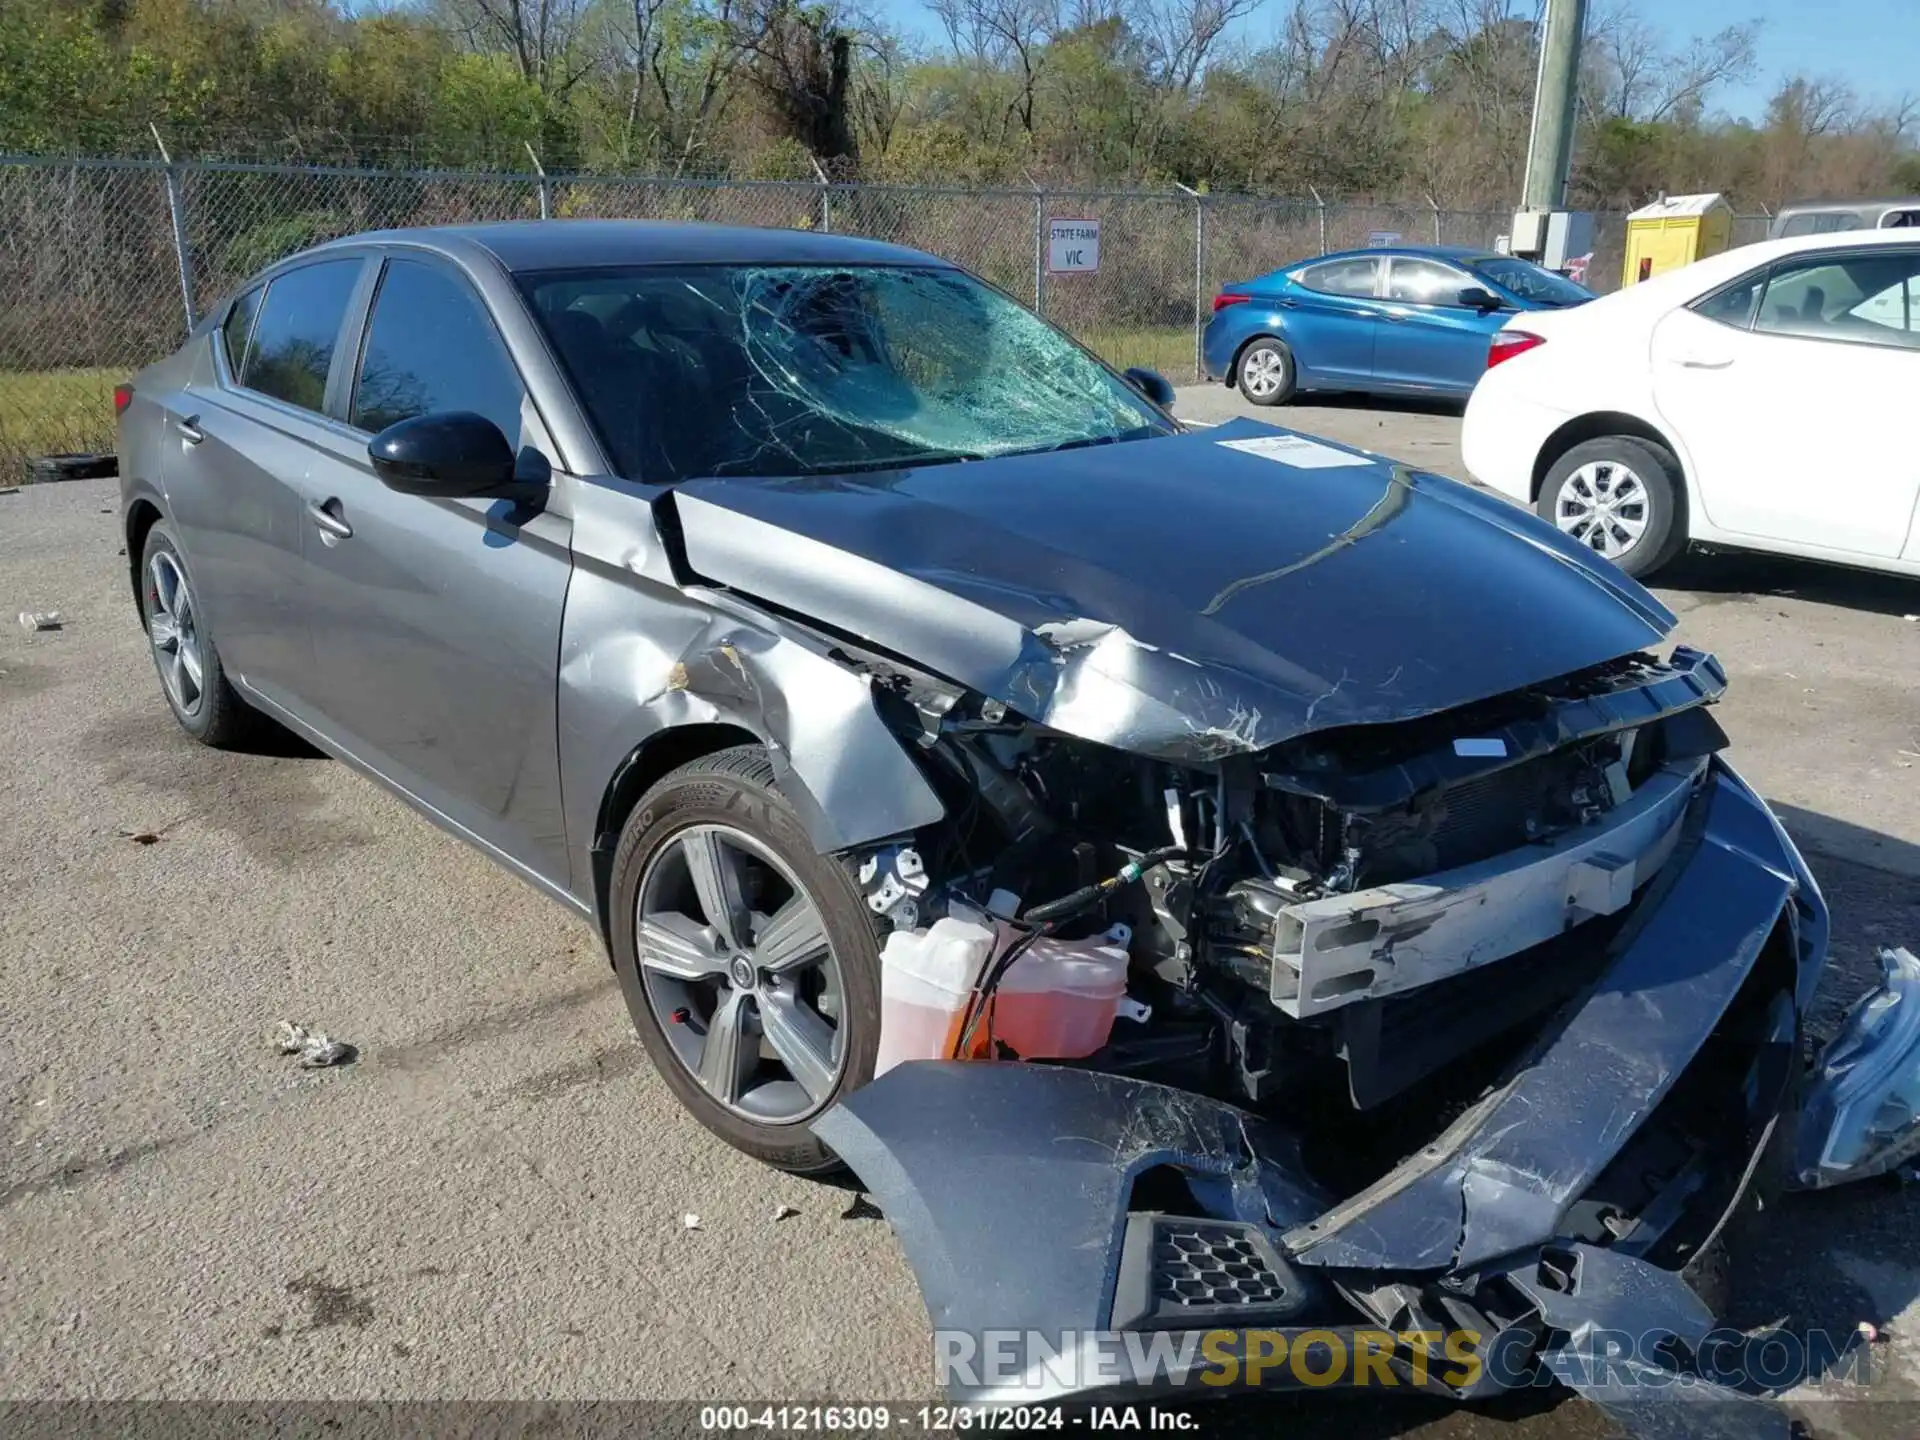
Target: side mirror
column 1152, row 384
column 1475, row 298
column 447, row 455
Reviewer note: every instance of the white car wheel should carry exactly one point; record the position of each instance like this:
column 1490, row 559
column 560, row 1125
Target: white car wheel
column 1604, row 506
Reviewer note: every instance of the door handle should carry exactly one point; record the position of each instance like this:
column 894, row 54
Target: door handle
column 325, row 514
column 1699, row 362
column 1395, row 315
column 189, row 430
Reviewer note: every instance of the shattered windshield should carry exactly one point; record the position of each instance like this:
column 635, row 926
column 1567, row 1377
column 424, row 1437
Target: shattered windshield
column 692, row 371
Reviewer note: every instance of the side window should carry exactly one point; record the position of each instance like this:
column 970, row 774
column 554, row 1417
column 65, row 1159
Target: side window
column 1341, row 277
column 299, row 326
column 238, row 329
column 1733, row 305
column 1425, row 282
column 430, row 347
column 1865, row 299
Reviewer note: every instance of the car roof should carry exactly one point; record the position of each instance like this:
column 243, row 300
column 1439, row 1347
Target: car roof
column 1880, row 202
column 1414, row 252
column 531, row 245
column 1742, row 258
column 1681, row 287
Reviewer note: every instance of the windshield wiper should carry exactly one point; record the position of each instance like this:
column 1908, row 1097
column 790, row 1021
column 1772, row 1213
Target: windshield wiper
column 1081, row 442
column 898, row 462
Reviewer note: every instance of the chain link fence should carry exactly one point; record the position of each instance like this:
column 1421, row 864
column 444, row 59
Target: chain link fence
column 103, row 261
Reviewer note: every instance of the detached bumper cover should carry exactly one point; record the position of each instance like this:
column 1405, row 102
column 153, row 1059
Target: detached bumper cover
column 1030, row 1198
column 1862, row 1116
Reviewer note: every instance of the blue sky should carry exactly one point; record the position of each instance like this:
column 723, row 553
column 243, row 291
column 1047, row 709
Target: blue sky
column 1874, row 45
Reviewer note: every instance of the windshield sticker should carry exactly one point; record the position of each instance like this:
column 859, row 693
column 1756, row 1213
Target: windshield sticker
column 1297, row 451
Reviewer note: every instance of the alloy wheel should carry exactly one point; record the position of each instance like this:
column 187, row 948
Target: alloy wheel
column 1265, row 371
column 1604, row 506
column 740, row 975
column 173, row 631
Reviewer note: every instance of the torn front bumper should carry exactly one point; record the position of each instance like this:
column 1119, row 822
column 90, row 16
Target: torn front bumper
column 1077, row 1233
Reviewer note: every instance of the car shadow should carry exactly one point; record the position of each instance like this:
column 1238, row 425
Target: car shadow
column 272, row 740
column 1718, row 576
column 1397, row 404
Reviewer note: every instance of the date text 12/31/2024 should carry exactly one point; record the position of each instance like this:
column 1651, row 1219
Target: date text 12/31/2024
column 942, row 1419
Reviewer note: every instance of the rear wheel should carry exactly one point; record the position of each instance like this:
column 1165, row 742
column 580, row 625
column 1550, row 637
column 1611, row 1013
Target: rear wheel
column 1266, row 372
column 750, row 962
column 1620, row 496
column 191, row 675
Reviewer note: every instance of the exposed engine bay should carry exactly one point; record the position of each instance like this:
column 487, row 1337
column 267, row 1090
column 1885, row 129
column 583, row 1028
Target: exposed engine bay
column 1285, row 910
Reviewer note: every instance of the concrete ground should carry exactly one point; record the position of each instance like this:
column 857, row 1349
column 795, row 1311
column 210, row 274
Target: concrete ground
column 490, row 1203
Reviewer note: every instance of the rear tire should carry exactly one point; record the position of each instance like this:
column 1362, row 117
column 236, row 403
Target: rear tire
column 758, row 1103
column 204, row 702
column 1623, row 498
column 1266, row 373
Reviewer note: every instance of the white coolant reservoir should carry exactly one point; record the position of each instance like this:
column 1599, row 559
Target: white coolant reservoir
column 925, row 979
column 1056, row 1002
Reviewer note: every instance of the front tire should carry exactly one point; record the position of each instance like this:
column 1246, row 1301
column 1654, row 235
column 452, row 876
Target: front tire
column 191, row 676
column 1621, row 497
column 750, row 963
column 1266, row 373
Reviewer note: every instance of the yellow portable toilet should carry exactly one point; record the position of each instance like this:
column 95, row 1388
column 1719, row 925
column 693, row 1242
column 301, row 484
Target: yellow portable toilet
column 1675, row 230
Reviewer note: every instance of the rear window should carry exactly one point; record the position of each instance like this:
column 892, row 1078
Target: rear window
column 1822, row 222
column 299, row 325
column 1341, row 277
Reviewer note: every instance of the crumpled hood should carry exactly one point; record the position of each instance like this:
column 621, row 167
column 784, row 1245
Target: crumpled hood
column 1184, row 597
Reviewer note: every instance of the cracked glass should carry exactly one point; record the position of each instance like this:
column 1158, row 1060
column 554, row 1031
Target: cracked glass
column 698, row 371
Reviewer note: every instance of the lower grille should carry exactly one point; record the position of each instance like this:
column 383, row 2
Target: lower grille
column 1181, row 1272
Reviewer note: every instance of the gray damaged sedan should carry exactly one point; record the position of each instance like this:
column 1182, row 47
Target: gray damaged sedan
column 768, row 597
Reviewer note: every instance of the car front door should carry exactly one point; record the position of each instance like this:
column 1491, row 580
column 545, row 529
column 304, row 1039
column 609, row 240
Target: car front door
column 245, row 431
column 1784, row 390
column 1336, row 312
column 436, row 622
column 1428, row 339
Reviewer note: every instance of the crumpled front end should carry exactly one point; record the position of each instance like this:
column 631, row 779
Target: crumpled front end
column 1078, row 1233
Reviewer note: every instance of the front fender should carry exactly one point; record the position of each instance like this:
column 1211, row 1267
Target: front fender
column 640, row 656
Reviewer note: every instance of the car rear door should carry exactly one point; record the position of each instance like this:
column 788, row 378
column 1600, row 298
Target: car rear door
column 245, row 440
column 1427, row 339
column 1336, row 314
column 436, row 622
column 1786, row 390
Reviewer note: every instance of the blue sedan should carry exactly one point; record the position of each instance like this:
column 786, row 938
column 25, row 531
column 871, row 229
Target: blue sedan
column 1411, row 321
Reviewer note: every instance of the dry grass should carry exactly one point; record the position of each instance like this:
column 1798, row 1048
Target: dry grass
column 54, row 412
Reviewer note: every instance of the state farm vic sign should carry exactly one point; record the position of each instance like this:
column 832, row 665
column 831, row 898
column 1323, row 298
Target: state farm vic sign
column 1073, row 246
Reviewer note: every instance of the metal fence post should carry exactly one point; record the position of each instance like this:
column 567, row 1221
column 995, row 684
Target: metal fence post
column 1039, row 251
column 826, row 196
column 1323, row 218
column 1199, row 277
column 546, row 195
column 1434, row 206
column 177, row 213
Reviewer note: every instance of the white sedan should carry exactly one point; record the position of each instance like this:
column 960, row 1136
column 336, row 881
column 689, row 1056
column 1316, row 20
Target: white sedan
column 1764, row 398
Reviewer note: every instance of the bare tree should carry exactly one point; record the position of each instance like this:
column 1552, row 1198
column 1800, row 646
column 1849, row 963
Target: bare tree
column 1180, row 35
column 1009, row 35
column 540, row 35
column 1633, row 73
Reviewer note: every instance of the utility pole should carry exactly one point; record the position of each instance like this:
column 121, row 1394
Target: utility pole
column 1556, row 92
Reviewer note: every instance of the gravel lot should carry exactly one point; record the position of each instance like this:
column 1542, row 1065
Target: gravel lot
column 489, row 1204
